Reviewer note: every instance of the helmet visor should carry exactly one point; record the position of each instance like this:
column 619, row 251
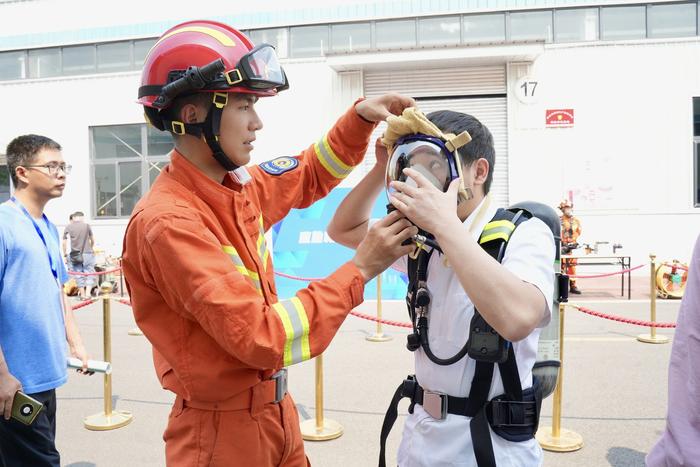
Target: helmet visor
column 262, row 68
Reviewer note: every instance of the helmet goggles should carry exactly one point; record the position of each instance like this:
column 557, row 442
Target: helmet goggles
column 259, row 69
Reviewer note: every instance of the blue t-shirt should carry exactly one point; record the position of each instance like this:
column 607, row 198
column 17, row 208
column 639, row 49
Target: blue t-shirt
column 32, row 329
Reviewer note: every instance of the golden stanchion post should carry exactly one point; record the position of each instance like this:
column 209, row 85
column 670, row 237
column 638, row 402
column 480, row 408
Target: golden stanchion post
column 652, row 338
column 320, row 428
column 379, row 336
column 109, row 419
column 555, row 438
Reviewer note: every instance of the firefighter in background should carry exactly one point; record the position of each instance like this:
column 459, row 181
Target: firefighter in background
column 199, row 272
column 570, row 231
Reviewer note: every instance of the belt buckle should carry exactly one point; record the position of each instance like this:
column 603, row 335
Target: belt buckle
column 280, row 379
column 435, row 404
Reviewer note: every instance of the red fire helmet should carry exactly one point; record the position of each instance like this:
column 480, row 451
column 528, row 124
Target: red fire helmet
column 188, row 48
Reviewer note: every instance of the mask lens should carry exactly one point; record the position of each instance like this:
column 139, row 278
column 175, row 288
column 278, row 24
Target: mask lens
column 424, row 157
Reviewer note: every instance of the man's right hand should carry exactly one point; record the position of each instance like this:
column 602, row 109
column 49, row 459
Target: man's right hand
column 9, row 385
column 382, row 246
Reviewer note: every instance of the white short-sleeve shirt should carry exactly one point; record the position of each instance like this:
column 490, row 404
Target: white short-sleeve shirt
column 435, row 443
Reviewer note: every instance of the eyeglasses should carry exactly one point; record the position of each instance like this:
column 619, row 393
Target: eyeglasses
column 53, row 168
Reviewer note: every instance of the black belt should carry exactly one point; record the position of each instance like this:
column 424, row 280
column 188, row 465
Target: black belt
column 512, row 420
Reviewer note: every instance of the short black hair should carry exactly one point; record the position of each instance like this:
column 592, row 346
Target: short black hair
column 23, row 149
column 78, row 214
column 481, row 145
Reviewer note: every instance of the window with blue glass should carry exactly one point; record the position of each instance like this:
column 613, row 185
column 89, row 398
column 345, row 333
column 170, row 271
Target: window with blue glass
column 626, row 22
column 350, row 37
column 444, row 30
column 125, row 160
column 531, row 25
column 396, row 34
column 576, row 25
column 484, row 28
column 674, row 20
column 308, row 41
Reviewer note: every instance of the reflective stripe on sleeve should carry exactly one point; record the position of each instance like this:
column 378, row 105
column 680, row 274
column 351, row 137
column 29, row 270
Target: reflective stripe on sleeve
column 296, row 328
column 252, row 276
column 261, row 245
column 329, row 160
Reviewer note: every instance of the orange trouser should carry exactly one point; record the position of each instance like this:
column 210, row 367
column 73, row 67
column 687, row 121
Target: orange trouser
column 264, row 435
column 570, row 269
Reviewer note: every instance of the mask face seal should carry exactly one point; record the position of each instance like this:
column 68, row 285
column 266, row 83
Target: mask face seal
column 427, row 155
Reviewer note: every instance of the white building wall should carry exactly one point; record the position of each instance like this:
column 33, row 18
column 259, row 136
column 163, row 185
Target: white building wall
column 630, row 151
column 629, row 157
column 64, row 109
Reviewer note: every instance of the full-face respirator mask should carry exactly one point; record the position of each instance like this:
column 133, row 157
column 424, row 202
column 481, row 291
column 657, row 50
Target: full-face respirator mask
column 415, row 142
column 429, row 156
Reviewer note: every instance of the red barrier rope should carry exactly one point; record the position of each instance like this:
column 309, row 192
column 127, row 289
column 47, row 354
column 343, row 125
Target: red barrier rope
column 354, row 313
column 73, row 273
column 84, row 303
column 624, row 271
column 383, row 321
column 622, row 319
column 305, row 279
column 124, row 301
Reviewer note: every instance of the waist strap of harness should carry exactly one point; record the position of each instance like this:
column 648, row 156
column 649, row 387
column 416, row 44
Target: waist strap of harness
column 511, row 419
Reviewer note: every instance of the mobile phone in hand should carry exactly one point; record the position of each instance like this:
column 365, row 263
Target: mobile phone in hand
column 25, row 409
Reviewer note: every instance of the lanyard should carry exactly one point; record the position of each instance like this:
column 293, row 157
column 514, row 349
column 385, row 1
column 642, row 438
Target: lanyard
column 54, row 271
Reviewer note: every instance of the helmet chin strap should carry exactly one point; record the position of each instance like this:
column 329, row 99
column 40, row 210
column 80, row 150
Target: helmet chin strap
column 211, row 127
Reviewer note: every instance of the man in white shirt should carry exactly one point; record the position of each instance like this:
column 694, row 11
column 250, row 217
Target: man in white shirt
column 513, row 297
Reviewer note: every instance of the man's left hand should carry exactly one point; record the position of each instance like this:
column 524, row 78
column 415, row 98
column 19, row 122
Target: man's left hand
column 377, row 109
column 81, row 354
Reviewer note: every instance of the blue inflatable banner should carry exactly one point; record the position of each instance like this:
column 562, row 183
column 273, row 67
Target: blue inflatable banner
column 303, row 249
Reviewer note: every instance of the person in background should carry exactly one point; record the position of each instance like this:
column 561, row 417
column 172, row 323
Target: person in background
column 570, row 231
column 81, row 257
column 36, row 320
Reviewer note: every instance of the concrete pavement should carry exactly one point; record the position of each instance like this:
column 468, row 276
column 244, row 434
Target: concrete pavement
column 614, row 391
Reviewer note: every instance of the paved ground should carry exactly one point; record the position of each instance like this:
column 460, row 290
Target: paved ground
column 614, row 389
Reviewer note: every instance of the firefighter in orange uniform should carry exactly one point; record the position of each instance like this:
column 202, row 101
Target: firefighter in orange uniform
column 570, row 231
column 195, row 258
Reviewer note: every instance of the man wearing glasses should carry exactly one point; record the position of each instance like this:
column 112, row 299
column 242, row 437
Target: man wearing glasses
column 35, row 317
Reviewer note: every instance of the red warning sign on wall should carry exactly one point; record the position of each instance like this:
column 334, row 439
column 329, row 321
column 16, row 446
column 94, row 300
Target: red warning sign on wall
column 559, row 118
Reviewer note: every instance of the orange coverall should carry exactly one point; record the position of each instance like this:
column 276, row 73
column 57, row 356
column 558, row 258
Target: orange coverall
column 203, row 292
column 570, row 231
